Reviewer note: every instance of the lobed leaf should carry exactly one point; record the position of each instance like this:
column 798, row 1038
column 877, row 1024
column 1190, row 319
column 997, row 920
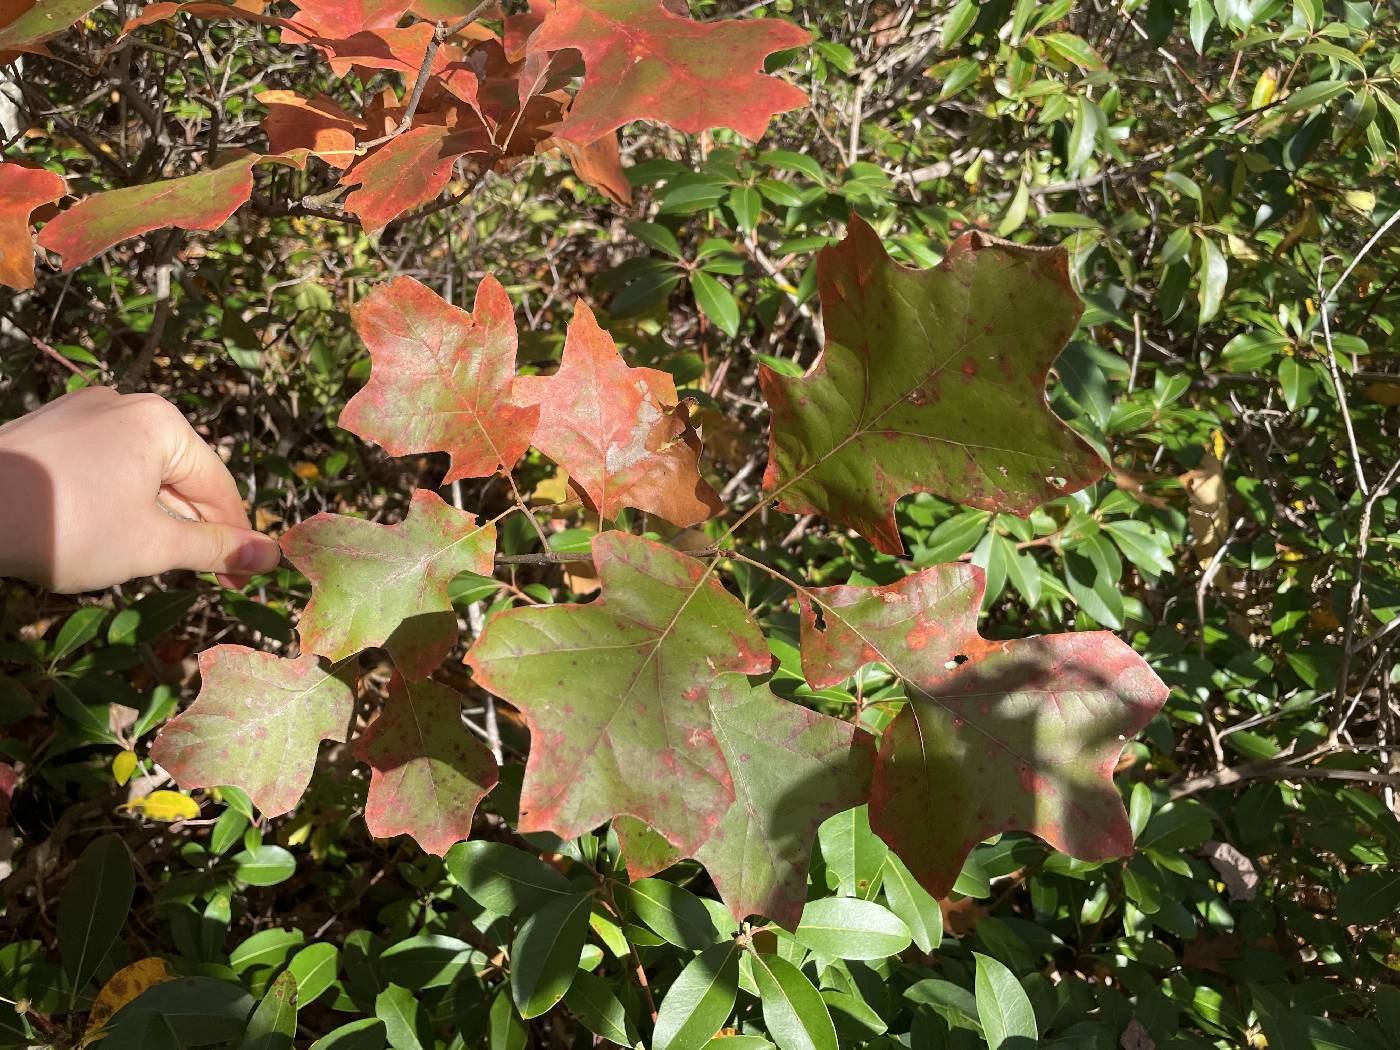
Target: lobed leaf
column 619, row 432
column 615, row 693
column 996, row 736
column 926, row 385
column 427, row 773
column 377, row 584
column 22, row 190
column 642, row 62
column 407, row 171
column 441, row 378
column 256, row 724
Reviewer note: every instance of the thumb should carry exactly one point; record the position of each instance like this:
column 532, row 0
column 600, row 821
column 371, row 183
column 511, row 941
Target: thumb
column 207, row 546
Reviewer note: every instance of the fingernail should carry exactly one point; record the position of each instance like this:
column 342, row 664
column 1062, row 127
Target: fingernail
column 256, row 555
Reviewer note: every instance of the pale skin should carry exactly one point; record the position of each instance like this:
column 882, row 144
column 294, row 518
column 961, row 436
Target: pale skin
column 94, row 487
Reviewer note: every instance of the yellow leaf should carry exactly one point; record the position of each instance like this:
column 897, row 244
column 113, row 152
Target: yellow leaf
column 165, row 805
column 1361, row 200
column 123, row 766
column 1264, row 89
column 553, row 489
column 122, row 987
column 307, row 471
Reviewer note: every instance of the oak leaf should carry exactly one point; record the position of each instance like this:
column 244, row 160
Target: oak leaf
column 995, row 736
column 927, row 384
column 376, row 584
column 642, row 62
column 203, row 201
column 256, row 724
column 22, row 190
column 427, row 772
column 615, row 694
column 618, row 431
column 600, row 165
column 344, row 18
column 238, row 10
column 409, row 170
column 441, row 378
column 792, row 769
column 316, row 124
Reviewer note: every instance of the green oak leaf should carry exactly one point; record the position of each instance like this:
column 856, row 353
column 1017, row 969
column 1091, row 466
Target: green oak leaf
column 256, row 724
column 928, row 383
column 376, row 584
column 615, row 693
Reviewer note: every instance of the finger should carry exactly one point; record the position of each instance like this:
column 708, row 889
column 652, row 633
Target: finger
column 194, row 472
column 206, row 546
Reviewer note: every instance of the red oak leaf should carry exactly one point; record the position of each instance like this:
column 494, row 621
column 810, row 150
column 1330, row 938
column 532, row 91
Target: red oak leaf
column 441, row 378
column 376, row 584
column 21, row 191
column 409, row 170
column 931, row 381
column 427, row 772
column 618, row 431
column 317, row 125
column 256, row 724
column 644, row 63
column 996, row 736
column 615, row 694
column 344, row 18
column 399, row 50
column 203, row 201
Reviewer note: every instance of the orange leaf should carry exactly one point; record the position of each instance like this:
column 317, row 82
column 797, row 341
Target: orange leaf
column 21, row 191
column 618, row 431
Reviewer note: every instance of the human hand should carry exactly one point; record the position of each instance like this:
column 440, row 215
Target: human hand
column 79, row 483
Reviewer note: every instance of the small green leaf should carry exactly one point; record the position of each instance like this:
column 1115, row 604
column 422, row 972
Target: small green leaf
column 1314, row 95
column 503, row 879
column 405, row 1023
column 675, row 913
column 1214, row 274
column 794, row 1012
column 912, row 903
column 544, row 957
column 368, row 1033
column 1369, row 898
column 1003, row 1006
column 590, row 998
column 274, row 1022
column 747, row 205
column 77, row 631
column 716, row 301
column 93, row 910
column 700, row 1000
column 264, row 866
column 656, row 236
column 850, row 928
column 959, row 21
column 265, row 948
column 507, row 1031
column 314, row 968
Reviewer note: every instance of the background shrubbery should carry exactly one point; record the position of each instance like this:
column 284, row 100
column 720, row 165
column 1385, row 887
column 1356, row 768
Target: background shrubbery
column 1224, row 177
